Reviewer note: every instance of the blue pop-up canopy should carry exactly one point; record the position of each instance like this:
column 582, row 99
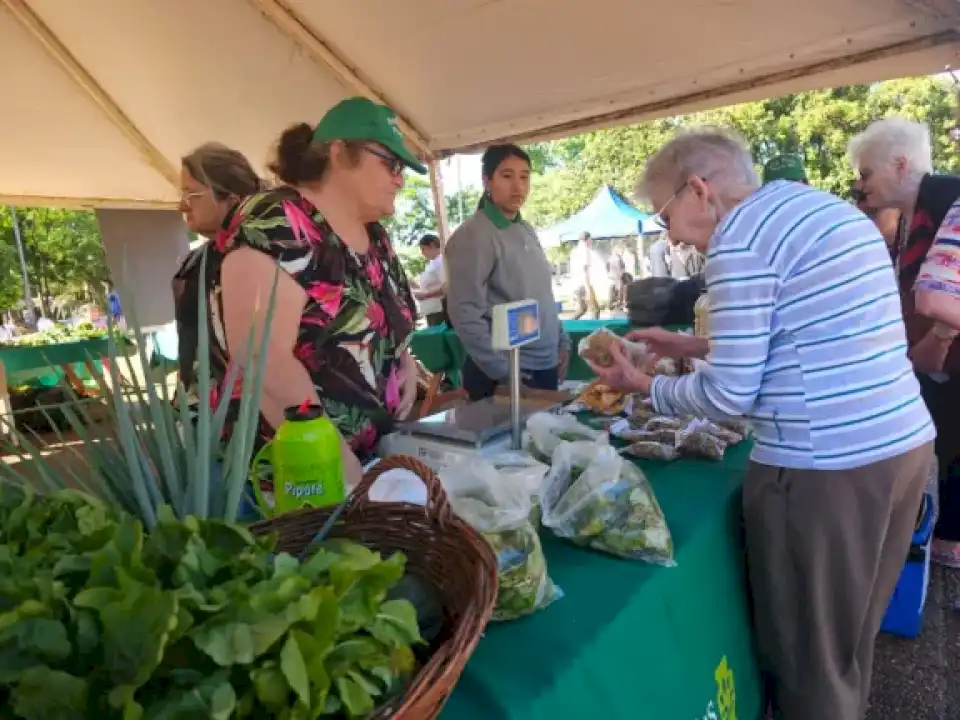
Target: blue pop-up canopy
column 609, row 215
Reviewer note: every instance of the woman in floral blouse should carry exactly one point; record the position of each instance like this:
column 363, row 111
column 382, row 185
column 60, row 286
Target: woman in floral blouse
column 343, row 312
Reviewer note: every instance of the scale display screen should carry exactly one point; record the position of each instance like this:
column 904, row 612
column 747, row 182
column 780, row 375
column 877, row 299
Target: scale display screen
column 523, row 325
column 515, row 324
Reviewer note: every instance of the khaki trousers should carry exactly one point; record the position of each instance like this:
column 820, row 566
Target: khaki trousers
column 825, row 549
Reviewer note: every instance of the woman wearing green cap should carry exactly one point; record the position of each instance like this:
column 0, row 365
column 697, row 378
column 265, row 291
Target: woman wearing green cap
column 343, row 312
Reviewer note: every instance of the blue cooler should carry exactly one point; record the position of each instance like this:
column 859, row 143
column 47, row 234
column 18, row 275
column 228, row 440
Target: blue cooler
column 905, row 614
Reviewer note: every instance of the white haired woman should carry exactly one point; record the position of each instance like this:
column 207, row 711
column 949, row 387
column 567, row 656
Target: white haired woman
column 807, row 341
column 894, row 161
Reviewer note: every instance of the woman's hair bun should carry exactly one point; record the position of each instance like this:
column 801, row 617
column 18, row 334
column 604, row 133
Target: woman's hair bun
column 298, row 160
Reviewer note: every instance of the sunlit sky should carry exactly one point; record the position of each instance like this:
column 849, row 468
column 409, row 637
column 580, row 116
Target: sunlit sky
column 461, row 171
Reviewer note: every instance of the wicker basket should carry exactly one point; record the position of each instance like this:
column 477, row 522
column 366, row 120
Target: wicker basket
column 441, row 549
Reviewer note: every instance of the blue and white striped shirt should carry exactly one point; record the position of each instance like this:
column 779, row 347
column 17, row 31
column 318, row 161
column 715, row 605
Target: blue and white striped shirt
column 806, row 336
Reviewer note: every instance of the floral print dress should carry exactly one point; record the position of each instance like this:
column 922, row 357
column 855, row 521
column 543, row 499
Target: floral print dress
column 357, row 320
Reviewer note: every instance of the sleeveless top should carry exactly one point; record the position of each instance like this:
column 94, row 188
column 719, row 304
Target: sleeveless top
column 357, row 320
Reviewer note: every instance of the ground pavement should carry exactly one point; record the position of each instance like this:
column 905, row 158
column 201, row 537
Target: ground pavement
column 920, row 679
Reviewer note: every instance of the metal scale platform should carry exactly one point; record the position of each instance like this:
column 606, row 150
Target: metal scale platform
column 486, row 426
column 447, row 437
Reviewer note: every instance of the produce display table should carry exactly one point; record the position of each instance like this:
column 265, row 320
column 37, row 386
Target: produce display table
column 73, row 359
column 440, row 350
column 631, row 640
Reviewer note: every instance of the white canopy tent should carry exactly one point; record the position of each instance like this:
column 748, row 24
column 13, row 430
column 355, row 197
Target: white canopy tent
column 101, row 97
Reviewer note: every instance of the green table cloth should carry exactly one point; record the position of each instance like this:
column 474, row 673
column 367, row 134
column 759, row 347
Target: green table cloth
column 631, row 640
column 40, row 364
column 577, row 330
column 440, row 350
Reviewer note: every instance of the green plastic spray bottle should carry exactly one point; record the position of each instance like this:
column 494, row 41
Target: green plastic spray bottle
column 306, row 462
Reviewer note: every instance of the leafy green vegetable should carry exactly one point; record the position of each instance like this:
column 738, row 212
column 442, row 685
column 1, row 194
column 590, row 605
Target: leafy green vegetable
column 57, row 334
column 525, row 586
column 197, row 619
column 154, row 450
column 595, row 498
column 546, row 431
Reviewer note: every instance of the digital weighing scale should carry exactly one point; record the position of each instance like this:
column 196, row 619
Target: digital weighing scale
column 487, row 426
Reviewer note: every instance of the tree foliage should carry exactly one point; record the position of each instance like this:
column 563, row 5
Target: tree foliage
column 65, row 260
column 817, row 125
column 65, row 256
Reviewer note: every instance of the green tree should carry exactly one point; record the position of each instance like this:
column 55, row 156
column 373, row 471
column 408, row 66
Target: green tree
column 415, row 215
column 64, row 252
column 817, row 124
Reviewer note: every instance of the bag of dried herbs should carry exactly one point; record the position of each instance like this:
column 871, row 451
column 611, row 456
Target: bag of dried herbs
column 498, row 507
column 545, row 431
column 594, row 497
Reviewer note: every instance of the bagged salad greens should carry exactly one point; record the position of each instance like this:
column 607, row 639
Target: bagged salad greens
column 594, row 497
column 545, row 431
column 522, row 468
column 498, row 506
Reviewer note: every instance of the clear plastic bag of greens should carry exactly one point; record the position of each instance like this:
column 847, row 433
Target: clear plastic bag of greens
column 499, row 508
column 545, row 431
column 593, row 497
column 524, row 469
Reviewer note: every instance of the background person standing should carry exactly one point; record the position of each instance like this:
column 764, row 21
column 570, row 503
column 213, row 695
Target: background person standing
column 785, row 167
column 493, row 258
column 430, row 287
column 659, row 256
column 616, row 268
column 583, row 263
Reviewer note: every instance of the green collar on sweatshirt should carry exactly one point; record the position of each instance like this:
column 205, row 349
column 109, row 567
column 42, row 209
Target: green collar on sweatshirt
column 496, row 217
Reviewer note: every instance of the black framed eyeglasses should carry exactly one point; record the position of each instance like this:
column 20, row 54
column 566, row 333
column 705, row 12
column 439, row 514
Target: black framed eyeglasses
column 394, row 164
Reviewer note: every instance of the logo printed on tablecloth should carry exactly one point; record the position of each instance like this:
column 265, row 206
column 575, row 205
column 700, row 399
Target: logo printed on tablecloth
column 724, row 706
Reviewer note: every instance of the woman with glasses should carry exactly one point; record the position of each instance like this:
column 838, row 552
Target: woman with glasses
column 213, row 180
column 894, row 161
column 343, row 310
column 806, row 340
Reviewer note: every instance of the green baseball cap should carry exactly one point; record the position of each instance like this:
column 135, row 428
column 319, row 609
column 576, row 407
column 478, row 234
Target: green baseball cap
column 358, row 118
column 784, row 167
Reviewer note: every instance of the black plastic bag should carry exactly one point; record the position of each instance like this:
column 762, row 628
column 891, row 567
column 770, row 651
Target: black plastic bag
column 663, row 300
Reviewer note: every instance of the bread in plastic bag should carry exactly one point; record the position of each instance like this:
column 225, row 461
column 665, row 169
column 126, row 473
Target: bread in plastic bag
column 545, row 431
column 498, row 506
column 595, row 347
column 594, row 497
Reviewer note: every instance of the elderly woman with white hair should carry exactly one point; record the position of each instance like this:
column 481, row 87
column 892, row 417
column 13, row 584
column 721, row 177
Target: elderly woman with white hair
column 807, row 341
column 893, row 158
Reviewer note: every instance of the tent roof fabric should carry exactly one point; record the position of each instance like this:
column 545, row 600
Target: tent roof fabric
column 609, row 215
column 101, row 98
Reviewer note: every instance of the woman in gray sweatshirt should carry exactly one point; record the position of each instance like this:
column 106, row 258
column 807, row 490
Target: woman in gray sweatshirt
column 495, row 257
